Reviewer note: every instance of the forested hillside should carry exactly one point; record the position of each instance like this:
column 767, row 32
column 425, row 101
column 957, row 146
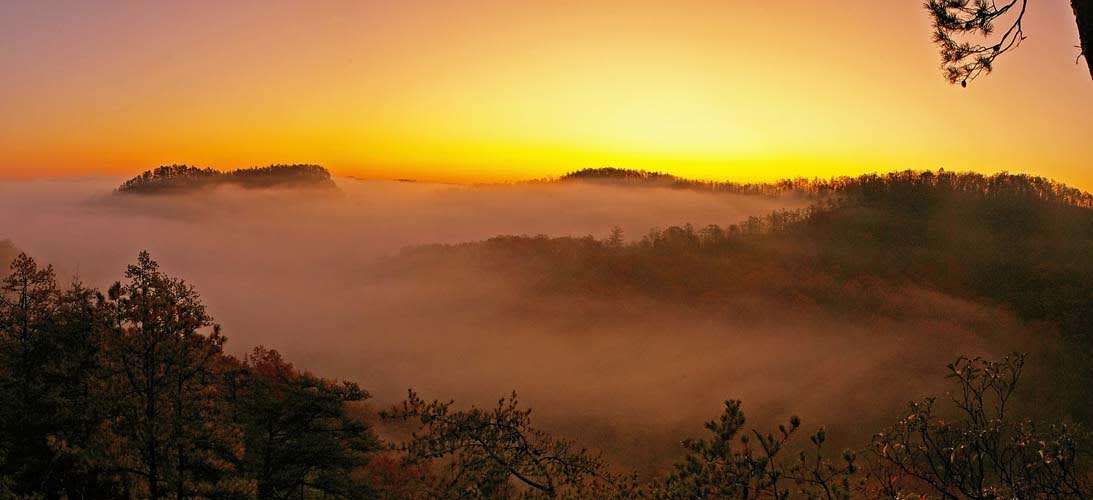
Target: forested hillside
column 1023, row 243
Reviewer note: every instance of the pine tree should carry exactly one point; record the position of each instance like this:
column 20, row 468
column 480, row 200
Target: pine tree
column 170, row 420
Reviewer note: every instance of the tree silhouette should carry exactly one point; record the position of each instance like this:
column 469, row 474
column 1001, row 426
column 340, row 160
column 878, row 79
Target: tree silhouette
column 984, row 451
column 956, row 21
column 737, row 464
column 27, row 305
column 50, row 373
column 162, row 380
column 487, row 449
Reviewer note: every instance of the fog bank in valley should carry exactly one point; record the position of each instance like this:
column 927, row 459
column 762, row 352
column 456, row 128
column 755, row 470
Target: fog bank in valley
column 296, row 272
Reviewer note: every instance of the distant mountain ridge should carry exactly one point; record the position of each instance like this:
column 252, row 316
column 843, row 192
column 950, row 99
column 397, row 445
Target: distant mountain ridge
column 184, row 178
column 868, row 185
column 644, row 178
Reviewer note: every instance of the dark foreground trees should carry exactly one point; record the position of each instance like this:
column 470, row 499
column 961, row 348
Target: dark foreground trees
column 160, row 376
column 50, row 343
column 297, row 431
column 130, row 395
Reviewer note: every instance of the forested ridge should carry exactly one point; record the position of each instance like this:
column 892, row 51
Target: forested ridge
column 185, row 178
column 1023, row 243
column 869, row 185
column 129, row 393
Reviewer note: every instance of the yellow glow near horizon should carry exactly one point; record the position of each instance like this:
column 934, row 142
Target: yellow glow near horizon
column 502, row 90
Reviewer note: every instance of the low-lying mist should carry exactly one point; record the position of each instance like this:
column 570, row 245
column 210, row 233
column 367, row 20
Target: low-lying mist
column 80, row 226
column 632, row 375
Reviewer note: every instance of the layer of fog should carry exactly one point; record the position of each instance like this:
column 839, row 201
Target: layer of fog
column 294, row 272
column 79, row 226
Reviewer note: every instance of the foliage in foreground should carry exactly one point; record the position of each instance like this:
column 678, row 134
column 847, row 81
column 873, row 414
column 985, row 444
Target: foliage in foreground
column 983, row 451
column 737, row 464
column 494, row 453
column 129, row 395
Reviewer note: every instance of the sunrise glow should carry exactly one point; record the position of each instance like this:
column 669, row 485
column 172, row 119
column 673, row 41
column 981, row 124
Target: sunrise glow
column 503, row 91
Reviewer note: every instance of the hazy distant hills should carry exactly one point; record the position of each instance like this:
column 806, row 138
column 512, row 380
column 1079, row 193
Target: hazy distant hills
column 868, row 185
column 184, row 178
column 642, row 178
column 1018, row 242
column 1006, row 236
column 1021, row 240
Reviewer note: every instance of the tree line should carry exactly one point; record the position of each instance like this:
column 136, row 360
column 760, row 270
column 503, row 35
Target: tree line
column 873, row 185
column 183, row 178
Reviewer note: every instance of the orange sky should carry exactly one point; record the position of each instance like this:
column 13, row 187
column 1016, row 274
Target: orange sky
column 499, row 90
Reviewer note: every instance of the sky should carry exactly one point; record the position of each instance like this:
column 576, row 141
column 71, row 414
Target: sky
column 507, row 90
